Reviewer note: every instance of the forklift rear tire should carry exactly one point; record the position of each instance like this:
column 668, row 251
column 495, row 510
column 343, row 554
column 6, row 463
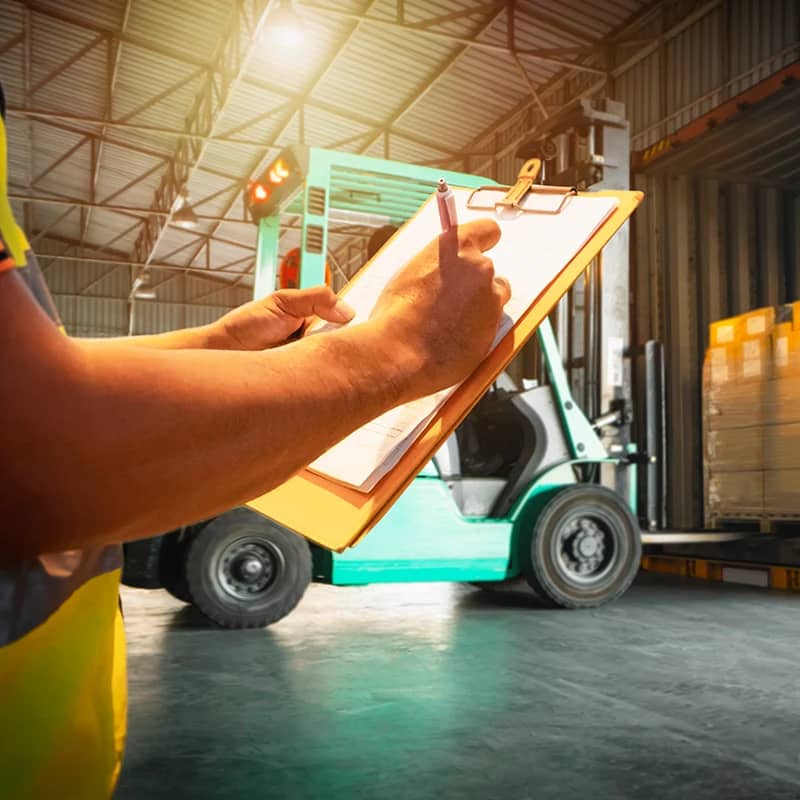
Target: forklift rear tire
column 245, row 571
column 172, row 565
column 585, row 548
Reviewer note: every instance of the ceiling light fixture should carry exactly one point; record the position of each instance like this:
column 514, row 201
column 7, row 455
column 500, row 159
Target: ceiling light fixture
column 283, row 26
column 141, row 288
column 182, row 212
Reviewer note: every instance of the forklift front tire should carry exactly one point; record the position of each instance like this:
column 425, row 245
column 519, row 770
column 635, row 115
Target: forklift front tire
column 585, row 548
column 245, row 571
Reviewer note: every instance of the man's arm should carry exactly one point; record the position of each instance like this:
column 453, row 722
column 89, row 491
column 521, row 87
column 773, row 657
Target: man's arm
column 105, row 444
column 256, row 325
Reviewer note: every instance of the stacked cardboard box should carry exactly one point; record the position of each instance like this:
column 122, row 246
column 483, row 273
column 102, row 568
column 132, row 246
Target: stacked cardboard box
column 751, row 416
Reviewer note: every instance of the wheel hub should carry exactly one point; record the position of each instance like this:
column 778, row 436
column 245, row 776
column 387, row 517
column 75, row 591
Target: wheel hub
column 583, row 549
column 247, row 568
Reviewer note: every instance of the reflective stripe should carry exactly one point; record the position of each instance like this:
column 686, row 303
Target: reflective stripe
column 32, row 592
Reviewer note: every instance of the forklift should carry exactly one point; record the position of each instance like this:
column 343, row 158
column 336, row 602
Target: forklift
column 525, row 491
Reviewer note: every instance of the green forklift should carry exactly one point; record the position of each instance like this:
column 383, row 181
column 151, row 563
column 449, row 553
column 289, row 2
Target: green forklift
column 513, row 497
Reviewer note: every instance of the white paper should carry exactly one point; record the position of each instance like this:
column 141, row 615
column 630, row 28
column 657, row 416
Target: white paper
column 532, row 251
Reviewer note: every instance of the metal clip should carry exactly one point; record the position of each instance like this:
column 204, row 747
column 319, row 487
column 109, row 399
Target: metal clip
column 527, row 175
column 514, row 196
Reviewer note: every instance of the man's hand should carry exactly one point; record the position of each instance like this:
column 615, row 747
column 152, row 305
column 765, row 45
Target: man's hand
column 265, row 323
column 445, row 305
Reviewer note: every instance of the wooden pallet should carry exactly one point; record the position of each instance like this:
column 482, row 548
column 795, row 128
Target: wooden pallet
column 766, row 523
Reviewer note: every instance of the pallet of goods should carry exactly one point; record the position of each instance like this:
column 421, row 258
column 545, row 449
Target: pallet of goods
column 751, row 417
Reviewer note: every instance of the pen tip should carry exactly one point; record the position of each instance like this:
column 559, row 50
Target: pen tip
column 442, row 185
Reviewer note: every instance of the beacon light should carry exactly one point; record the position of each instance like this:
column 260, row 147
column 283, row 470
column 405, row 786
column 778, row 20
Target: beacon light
column 278, row 172
column 259, row 193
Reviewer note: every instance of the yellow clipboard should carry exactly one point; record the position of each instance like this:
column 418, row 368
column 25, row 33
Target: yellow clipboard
column 335, row 516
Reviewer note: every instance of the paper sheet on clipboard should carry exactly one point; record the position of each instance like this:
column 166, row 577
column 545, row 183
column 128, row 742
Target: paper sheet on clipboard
column 532, row 251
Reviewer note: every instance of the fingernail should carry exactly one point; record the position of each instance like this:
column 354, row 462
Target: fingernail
column 343, row 311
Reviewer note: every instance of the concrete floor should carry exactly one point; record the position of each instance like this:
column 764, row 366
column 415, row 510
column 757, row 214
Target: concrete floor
column 440, row 691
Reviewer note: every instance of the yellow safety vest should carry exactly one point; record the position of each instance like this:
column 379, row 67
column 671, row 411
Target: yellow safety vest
column 62, row 644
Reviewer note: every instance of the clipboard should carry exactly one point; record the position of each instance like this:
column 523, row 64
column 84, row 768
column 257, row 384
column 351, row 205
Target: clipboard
column 336, row 516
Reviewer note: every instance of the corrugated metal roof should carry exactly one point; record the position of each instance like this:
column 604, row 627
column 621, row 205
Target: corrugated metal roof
column 191, row 26
column 358, row 75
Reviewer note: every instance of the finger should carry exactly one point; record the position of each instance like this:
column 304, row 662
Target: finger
column 482, row 233
column 320, row 301
column 503, row 289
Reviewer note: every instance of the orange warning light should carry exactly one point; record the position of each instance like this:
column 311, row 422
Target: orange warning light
column 259, row 193
column 278, row 172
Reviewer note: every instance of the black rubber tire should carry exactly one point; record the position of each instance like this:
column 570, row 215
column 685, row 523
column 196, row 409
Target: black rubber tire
column 544, row 567
column 172, row 564
column 290, row 564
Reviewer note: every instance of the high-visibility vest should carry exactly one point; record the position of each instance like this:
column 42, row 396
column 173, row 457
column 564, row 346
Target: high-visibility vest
column 62, row 644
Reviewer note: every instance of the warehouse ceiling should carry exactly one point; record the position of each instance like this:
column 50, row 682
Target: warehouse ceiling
column 116, row 107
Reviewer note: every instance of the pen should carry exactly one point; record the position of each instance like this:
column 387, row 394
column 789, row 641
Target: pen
column 446, row 201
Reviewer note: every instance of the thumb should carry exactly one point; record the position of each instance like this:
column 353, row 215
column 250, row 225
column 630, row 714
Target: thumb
column 320, row 301
column 482, row 233
column 503, row 289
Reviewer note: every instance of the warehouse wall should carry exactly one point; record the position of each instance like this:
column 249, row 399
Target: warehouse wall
column 92, row 297
column 702, row 248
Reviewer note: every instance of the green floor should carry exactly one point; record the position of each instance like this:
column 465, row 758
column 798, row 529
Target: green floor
column 436, row 691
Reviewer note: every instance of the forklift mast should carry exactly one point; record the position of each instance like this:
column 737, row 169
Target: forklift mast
column 587, row 145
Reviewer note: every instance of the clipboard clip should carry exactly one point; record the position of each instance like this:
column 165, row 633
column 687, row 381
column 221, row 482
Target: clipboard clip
column 513, row 197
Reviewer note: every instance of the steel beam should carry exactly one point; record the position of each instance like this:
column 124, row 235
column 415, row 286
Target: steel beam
column 537, row 54
column 65, row 65
column 58, row 162
column 425, row 86
column 124, row 145
column 122, row 124
column 12, row 42
column 153, row 265
column 120, row 209
column 231, row 59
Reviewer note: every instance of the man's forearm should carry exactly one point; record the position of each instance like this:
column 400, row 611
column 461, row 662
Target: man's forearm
column 204, row 337
column 134, row 441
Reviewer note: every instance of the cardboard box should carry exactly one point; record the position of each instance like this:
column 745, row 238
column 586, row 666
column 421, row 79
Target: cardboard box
column 735, row 449
column 782, row 492
column 735, row 493
column 723, row 331
column 786, row 351
column 734, row 404
column 781, row 446
column 753, row 359
column 780, row 399
column 756, row 323
column 721, row 360
column 796, row 316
